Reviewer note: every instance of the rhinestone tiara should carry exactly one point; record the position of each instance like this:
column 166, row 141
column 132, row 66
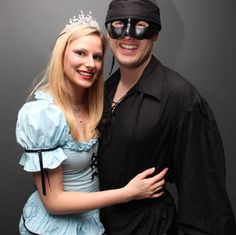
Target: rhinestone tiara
column 82, row 19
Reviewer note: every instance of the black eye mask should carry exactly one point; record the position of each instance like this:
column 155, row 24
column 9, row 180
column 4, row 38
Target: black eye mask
column 129, row 28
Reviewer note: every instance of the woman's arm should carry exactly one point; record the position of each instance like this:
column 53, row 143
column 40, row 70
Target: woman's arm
column 57, row 201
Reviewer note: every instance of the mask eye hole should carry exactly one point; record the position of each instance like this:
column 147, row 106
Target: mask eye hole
column 117, row 24
column 141, row 25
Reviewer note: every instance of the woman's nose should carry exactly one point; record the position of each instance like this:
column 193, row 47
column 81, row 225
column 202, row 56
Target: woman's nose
column 89, row 62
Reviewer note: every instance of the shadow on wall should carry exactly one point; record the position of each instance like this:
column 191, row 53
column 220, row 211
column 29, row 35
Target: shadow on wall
column 172, row 34
column 168, row 46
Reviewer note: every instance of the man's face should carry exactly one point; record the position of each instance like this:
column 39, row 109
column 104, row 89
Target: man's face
column 135, row 28
column 130, row 52
column 131, row 41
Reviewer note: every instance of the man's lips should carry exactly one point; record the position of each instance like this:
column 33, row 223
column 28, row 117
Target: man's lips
column 128, row 46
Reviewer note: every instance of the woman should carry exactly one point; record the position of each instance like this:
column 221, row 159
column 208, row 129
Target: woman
column 57, row 129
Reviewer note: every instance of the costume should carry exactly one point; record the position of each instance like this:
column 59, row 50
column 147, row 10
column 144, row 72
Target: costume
column 41, row 125
column 163, row 121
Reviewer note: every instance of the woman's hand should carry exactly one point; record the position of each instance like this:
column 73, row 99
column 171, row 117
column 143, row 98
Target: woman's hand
column 57, row 201
column 142, row 186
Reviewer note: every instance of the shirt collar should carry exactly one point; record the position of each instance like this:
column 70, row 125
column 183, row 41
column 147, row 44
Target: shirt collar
column 150, row 81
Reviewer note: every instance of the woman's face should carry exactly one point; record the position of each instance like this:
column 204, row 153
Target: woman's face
column 83, row 61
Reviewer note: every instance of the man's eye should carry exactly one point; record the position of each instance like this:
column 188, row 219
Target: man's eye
column 117, row 24
column 142, row 25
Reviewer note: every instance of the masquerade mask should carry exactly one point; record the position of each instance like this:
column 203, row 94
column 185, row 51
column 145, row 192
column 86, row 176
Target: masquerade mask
column 134, row 28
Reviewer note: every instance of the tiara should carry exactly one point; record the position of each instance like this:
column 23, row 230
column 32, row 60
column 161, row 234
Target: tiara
column 82, row 20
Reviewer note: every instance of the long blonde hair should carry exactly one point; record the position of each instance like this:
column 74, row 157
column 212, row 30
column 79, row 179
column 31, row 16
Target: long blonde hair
column 54, row 82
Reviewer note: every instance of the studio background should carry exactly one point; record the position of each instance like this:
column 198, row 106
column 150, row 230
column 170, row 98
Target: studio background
column 198, row 40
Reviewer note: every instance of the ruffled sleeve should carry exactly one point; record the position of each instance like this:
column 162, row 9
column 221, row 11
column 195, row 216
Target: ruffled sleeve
column 199, row 173
column 41, row 126
column 41, row 130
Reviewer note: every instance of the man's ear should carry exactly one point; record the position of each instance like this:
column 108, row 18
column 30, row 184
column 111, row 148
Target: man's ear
column 155, row 37
column 107, row 35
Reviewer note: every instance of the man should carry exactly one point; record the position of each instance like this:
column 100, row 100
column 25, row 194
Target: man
column 154, row 117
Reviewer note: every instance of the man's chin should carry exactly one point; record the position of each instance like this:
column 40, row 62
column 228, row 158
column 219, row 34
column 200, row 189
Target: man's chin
column 128, row 63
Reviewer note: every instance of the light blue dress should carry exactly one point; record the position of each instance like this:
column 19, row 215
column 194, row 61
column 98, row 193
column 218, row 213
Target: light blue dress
column 41, row 125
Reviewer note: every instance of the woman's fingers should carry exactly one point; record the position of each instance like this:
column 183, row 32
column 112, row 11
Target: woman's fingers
column 144, row 185
column 150, row 171
column 146, row 173
column 158, row 179
column 157, row 183
column 156, row 195
column 160, row 175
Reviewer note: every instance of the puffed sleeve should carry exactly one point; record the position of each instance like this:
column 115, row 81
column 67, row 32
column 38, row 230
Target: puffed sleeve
column 199, row 172
column 41, row 130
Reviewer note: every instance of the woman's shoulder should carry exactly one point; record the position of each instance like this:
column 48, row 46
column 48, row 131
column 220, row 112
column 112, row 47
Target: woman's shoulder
column 41, row 118
column 42, row 102
column 41, row 108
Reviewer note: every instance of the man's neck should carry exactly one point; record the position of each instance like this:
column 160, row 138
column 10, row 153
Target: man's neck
column 130, row 76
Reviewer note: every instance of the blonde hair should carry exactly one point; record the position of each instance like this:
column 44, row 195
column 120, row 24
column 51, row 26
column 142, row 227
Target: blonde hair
column 54, row 81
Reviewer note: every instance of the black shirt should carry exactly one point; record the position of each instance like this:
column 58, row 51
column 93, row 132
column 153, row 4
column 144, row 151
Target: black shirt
column 163, row 121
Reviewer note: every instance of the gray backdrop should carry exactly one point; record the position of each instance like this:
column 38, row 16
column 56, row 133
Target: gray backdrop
column 198, row 40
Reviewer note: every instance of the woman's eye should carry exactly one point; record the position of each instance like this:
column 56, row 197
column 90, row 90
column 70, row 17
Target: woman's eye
column 80, row 53
column 97, row 57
